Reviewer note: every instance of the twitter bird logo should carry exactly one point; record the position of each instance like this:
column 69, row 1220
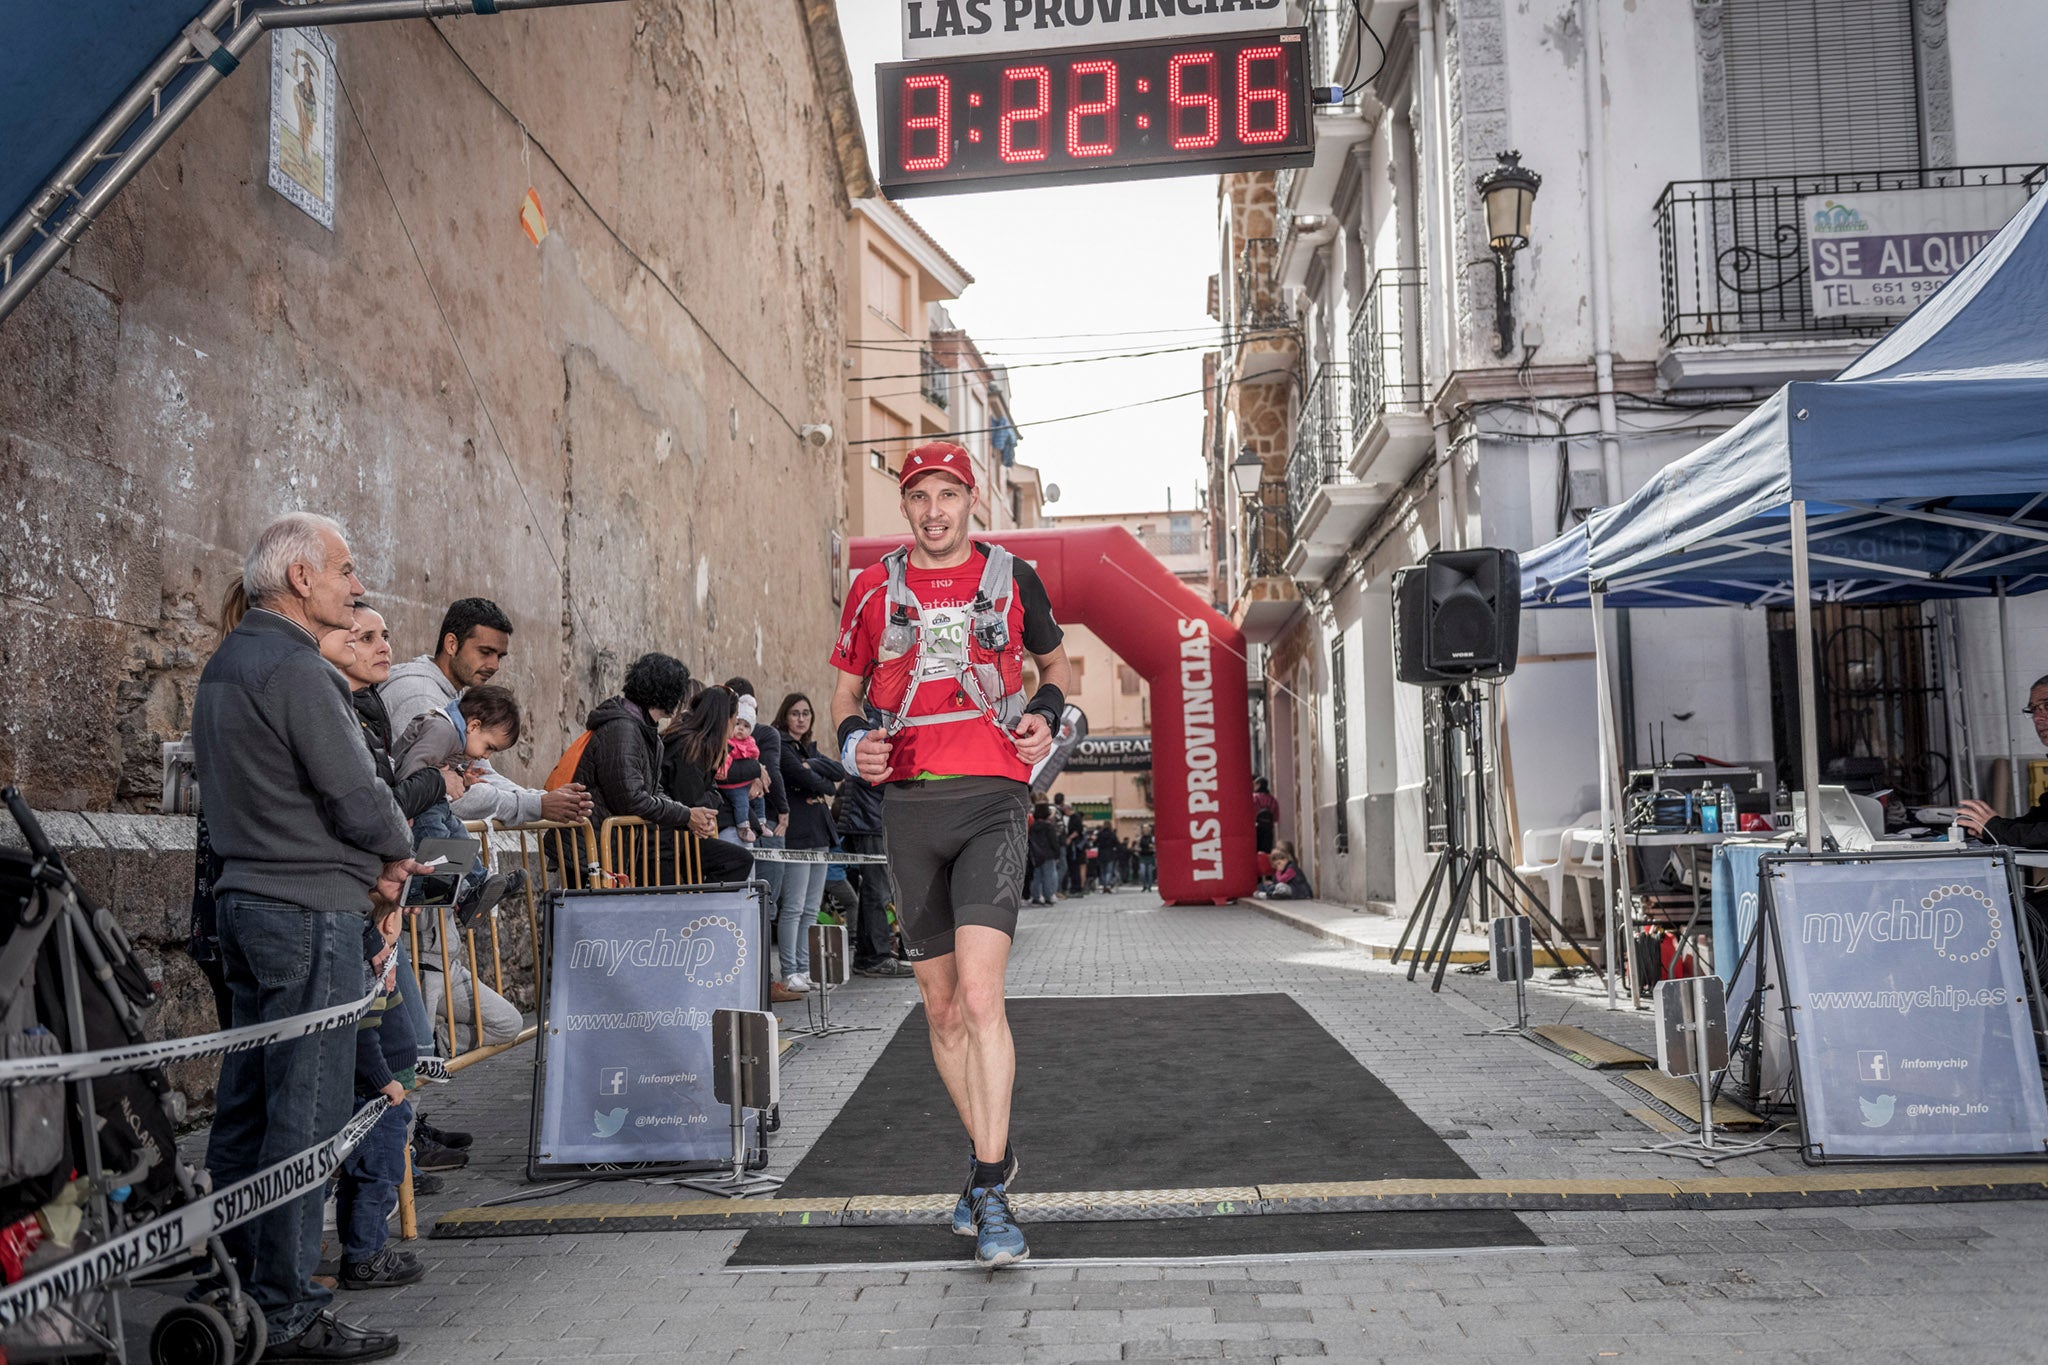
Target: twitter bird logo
column 1878, row 1112
column 608, row 1125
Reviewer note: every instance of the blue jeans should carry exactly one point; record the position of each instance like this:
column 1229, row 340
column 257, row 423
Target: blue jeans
column 409, row 1000
column 1148, row 869
column 367, row 1190
column 796, row 910
column 1045, row 880
column 275, row 1102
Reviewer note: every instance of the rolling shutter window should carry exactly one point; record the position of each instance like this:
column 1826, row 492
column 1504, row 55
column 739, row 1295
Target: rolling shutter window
column 1820, row 85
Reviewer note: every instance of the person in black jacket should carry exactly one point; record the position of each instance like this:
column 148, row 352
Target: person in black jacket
column 859, row 820
column 691, row 753
column 811, row 779
column 2024, row 831
column 363, row 654
column 1044, row 845
column 621, row 766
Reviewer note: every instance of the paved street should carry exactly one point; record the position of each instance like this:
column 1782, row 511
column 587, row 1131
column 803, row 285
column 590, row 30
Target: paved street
column 1930, row 1282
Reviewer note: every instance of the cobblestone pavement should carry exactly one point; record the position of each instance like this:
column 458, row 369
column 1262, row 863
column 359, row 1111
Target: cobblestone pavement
column 1941, row 1283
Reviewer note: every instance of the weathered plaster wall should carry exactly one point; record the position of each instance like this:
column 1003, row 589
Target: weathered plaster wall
column 211, row 357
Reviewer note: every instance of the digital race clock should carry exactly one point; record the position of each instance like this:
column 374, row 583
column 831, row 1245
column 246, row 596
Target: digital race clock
column 1239, row 102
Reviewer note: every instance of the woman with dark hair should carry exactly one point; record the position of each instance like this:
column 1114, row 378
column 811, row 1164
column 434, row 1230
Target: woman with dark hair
column 811, row 778
column 694, row 746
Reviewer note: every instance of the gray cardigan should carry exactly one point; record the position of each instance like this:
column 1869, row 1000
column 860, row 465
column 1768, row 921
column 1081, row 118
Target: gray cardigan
column 294, row 807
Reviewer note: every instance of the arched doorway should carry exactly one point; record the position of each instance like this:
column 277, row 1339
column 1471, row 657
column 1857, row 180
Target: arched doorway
column 1193, row 657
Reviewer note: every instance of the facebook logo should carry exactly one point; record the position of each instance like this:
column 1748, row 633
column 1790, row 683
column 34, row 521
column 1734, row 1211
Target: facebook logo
column 611, row 1080
column 1873, row 1066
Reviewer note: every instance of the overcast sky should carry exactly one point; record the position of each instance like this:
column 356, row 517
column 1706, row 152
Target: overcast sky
column 1078, row 259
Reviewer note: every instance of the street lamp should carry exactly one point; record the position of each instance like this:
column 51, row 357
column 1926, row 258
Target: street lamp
column 1509, row 192
column 1247, row 472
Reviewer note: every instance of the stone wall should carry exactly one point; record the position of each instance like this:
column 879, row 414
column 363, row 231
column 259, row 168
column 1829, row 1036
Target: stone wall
column 624, row 475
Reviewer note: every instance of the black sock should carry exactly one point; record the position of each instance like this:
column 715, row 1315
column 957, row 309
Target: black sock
column 988, row 1173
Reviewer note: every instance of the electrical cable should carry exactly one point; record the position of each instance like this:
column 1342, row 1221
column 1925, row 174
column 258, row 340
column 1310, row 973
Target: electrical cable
column 539, row 526
column 1221, row 339
column 1358, row 53
column 1086, row 336
column 1042, row 421
column 1049, row 364
column 660, row 279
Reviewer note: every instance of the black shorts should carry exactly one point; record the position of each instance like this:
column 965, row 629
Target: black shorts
column 956, row 852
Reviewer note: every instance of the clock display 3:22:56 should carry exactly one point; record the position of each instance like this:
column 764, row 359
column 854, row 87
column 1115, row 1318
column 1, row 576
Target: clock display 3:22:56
column 1224, row 103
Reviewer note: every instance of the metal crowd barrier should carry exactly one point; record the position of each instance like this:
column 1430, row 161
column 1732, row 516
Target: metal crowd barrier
column 553, row 855
column 632, row 852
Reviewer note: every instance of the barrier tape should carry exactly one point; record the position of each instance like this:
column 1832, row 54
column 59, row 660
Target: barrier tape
column 181, row 1229
column 81, row 1066
column 813, row 855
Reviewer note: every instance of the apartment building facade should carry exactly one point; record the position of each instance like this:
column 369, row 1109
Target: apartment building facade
column 912, row 375
column 1387, row 387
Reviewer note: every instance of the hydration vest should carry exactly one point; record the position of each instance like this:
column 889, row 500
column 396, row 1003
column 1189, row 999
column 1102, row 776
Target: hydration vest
column 984, row 662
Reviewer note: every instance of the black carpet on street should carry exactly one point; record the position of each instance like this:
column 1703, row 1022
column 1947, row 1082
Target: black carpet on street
column 1136, row 1093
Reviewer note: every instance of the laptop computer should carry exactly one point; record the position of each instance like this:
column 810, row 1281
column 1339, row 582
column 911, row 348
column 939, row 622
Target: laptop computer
column 1855, row 822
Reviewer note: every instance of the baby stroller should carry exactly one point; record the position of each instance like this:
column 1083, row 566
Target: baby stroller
column 72, row 1000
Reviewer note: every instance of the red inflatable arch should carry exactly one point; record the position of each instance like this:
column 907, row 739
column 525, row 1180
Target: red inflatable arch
column 1102, row 578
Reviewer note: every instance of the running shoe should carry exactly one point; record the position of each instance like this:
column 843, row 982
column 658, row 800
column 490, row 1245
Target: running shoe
column 963, row 1212
column 998, row 1241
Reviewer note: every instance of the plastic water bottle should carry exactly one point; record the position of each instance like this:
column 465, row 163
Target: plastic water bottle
column 1709, row 808
column 1729, row 820
column 897, row 636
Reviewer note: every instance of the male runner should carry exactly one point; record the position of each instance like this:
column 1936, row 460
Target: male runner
column 933, row 642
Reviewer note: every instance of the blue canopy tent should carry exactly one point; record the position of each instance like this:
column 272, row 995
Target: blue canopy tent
column 1920, row 471
column 89, row 92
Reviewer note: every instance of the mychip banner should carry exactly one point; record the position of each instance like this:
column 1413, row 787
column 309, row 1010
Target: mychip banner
column 632, row 980
column 1909, row 1006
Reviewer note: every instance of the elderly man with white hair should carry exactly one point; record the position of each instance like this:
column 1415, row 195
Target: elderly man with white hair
column 311, row 844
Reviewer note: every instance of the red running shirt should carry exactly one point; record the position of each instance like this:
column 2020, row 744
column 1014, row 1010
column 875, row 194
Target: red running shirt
column 968, row 748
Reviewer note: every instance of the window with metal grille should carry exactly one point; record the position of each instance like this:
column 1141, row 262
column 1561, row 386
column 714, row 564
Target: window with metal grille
column 1820, row 85
column 1180, row 535
column 1340, row 726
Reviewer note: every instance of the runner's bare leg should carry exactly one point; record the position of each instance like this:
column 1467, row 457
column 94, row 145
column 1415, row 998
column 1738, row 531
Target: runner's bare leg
column 982, row 956
column 938, row 979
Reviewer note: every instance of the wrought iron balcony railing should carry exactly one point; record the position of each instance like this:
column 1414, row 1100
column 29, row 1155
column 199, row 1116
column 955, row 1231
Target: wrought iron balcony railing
column 1321, row 448
column 1733, row 253
column 1262, row 538
column 1386, row 347
column 934, row 379
column 1259, row 301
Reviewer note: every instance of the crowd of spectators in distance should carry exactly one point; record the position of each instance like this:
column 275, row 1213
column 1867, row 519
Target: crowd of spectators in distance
column 1066, row 857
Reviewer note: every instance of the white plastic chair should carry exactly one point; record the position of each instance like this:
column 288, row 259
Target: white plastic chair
column 1585, row 862
column 1553, row 854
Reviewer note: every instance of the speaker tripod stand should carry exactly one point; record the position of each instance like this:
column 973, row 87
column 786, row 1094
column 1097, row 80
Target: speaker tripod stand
column 1465, row 873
